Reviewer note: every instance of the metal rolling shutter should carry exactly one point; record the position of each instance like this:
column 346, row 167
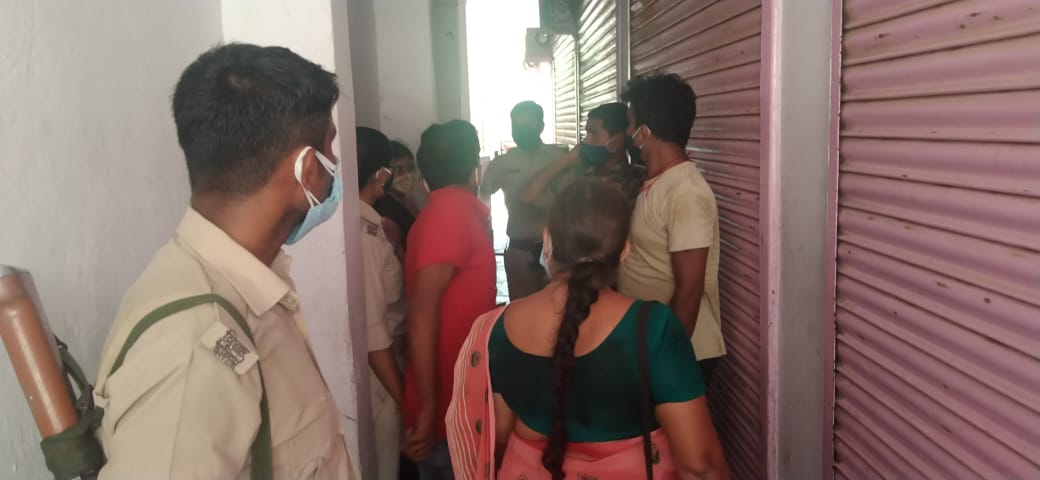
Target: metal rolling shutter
column 565, row 91
column 938, row 287
column 716, row 47
column 597, row 56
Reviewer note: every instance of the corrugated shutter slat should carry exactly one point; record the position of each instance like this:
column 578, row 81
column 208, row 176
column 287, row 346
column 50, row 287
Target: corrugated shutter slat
column 565, row 89
column 597, row 56
column 938, row 305
column 716, row 46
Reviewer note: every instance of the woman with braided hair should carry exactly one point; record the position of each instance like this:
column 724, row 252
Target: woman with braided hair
column 557, row 385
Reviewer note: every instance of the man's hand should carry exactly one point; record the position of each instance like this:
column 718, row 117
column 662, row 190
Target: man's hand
column 540, row 182
column 419, row 440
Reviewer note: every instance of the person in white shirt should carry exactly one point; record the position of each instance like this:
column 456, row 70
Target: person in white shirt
column 383, row 285
column 675, row 224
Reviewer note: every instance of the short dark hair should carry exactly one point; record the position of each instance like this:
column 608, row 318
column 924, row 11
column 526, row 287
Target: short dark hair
column 613, row 115
column 665, row 104
column 241, row 108
column 398, row 149
column 528, row 106
column 373, row 153
column 448, row 154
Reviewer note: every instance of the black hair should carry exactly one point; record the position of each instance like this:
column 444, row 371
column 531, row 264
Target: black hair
column 613, row 115
column 373, row 153
column 240, row 109
column 665, row 104
column 588, row 227
column 448, row 154
column 528, row 107
column 398, row 149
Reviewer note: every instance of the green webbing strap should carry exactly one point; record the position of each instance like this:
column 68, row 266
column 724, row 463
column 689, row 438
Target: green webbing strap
column 262, row 460
column 75, row 452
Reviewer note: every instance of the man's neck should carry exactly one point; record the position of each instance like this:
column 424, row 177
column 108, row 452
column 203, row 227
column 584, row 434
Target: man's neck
column 367, row 197
column 660, row 159
column 246, row 222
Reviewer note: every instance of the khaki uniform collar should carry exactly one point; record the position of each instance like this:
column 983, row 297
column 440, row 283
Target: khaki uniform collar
column 261, row 287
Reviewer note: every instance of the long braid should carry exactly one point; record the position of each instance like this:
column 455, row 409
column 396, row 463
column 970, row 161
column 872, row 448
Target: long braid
column 588, row 225
column 583, row 287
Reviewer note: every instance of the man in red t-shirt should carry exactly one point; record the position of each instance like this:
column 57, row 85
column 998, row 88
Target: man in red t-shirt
column 450, row 281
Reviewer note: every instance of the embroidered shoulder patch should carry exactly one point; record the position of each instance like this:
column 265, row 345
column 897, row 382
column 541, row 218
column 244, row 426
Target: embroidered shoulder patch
column 370, row 228
column 229, row 349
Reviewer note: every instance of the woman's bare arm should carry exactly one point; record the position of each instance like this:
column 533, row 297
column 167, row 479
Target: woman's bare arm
column 692, row 438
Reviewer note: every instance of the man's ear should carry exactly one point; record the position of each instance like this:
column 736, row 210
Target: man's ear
column 311, row 171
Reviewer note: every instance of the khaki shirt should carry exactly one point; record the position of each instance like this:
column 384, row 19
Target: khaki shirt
column 511, row 173
column 674, row 212
column 178, row 408
column 383, row 281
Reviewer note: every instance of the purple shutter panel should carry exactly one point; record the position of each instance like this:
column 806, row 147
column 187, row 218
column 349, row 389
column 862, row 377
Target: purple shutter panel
column 937, row 332
column 716, row 46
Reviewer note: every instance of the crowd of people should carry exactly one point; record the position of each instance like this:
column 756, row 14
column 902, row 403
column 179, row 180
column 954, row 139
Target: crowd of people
column 598, row 367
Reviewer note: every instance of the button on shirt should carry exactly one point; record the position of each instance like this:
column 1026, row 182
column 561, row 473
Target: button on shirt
column 453, row 230
column 176, row 408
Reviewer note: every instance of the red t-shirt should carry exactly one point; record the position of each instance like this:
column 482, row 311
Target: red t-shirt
column 453, row 229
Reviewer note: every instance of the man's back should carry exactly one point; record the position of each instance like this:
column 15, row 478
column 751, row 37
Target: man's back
column 186, row 401
column 451, row 230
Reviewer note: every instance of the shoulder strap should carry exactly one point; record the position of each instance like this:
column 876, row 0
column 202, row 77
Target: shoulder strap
column 262, row 466
column 644, row 387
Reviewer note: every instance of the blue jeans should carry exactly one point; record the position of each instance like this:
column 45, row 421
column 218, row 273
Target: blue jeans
column 438, row 465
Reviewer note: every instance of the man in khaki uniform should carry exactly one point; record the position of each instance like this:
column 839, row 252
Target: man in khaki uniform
column 674, row 256
column 256, row 129
column 511, row 173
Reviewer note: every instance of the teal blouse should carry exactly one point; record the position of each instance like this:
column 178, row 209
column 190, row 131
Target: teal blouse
column 604, row 401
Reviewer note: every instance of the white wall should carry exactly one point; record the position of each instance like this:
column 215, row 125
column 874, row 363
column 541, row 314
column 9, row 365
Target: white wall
column 91, row 178
column 320, row 261
column 364, row 62
column 404, row 66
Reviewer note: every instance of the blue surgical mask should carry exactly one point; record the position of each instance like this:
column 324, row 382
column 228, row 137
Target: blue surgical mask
column 593, row 156
column 320, row 211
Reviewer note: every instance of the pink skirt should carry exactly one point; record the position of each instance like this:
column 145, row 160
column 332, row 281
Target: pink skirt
column 617, row 460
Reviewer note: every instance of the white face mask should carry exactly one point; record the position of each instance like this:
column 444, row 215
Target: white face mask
column 639, row 145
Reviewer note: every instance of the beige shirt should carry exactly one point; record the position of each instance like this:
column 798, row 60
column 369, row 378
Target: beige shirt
column 674, row 212
column 177, row 408
column 383, row 281
column 511, row 173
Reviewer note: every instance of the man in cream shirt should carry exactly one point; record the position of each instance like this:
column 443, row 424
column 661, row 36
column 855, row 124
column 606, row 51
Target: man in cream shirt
column 675, row 224
column 256, row 129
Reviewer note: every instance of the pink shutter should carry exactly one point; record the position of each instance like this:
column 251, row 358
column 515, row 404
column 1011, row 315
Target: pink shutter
column 716, row 46
column 937, row 332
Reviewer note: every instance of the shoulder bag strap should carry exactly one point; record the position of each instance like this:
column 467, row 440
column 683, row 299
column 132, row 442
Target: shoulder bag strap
column 262, row 466
column 646, row 412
